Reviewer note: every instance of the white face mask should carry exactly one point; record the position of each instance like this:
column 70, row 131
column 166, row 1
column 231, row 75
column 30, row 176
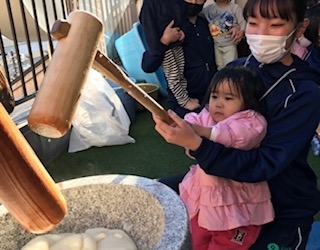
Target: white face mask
column 268, row 49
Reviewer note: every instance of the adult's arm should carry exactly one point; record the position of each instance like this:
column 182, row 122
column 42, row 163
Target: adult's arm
column 149, row 21
column 288, row 140
column 288, row 137
column 151, row 63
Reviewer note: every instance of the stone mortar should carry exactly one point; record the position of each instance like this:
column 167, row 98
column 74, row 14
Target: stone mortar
column 150, row 212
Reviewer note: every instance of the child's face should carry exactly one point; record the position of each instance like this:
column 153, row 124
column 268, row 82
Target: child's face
column 224, row 102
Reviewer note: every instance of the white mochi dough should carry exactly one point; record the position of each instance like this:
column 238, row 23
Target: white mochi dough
column 91, row 239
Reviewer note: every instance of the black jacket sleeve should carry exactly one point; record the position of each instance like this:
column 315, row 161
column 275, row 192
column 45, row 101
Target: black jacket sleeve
column 151, row 63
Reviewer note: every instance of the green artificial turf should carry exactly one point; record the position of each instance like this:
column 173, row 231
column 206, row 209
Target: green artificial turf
column 150, row 156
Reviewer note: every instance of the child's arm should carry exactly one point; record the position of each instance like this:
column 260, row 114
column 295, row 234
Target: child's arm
column 240, row 19
column 170, row 35
column 201, row 123
column 241, row 23
column 244, row 130
column 201, row 130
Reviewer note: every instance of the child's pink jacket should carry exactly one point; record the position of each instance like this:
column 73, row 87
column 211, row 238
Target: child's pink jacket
column 224, row 204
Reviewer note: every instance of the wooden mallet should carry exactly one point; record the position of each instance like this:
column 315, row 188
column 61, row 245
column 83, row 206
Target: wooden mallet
column 76, row 52
column 26, row 189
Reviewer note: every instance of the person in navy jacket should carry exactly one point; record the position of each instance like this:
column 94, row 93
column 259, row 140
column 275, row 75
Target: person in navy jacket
column 292, row 104
column 199, row 57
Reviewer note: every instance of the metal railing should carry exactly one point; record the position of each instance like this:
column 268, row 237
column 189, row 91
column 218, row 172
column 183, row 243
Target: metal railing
column 26, row 45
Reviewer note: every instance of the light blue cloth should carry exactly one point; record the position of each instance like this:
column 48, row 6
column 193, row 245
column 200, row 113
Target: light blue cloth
column 314, row 237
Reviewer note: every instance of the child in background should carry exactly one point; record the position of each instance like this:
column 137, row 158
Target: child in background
column 312, row 34
column 300, row 46
column 155, row 17
column 307, row 47
column 226, row 214
column 226, row 24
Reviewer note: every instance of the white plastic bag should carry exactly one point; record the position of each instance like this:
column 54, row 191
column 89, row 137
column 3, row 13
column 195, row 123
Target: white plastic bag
column 100, row 118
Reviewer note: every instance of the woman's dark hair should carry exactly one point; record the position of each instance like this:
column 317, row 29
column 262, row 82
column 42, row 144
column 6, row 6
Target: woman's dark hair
column 293, row 10
column 246, row 82
column 312, row 31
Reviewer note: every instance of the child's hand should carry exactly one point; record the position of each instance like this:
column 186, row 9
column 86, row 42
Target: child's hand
column 172, row 34
column 192, row 104
column 187, row 151
column 237, row 35
column 233, row 31
column 201, row 130
column 179, row 133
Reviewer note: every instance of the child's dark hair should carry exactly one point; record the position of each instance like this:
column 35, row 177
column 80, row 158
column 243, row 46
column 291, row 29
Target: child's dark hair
column 246, row 82
column 312, row 31
column 293, row 10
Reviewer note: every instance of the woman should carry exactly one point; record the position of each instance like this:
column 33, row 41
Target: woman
column 292, row 105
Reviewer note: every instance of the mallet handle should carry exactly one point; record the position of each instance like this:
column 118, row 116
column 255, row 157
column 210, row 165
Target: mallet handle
column 112, row 71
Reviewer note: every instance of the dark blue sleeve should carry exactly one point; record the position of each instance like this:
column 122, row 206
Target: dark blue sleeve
column 151, row 63
column 313, row 58
column 150, row 19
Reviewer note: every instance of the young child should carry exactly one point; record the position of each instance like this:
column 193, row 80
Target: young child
column 300, row 46
column 292, row 111
column 226, row 214
column 307, row 46
column 155, row 17
column 312, row 34
column 225, row 23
